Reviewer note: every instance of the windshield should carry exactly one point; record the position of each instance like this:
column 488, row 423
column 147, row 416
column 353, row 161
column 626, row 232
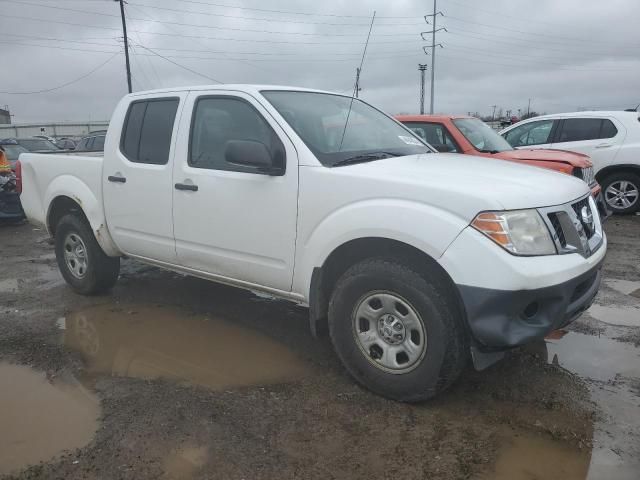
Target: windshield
column 319, row 119
column 481, row 135
column 13, row 151
column 35, row 144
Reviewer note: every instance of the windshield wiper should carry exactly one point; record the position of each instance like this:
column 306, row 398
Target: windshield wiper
column 367, row 157
column 492, row 152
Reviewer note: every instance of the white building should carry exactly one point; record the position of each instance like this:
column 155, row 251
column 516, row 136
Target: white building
column 52, row 129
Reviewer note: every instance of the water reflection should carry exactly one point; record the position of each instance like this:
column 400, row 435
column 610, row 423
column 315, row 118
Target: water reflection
column 40, row 417
column 163, row 342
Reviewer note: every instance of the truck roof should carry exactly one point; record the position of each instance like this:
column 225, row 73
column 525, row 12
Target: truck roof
column 249, row 88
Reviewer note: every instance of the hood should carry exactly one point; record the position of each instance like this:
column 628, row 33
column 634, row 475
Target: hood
column 465, row 184
column 574, row 159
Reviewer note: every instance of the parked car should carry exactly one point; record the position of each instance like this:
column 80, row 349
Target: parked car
column 66, row 143
column 12, row 151
column 470, row 135
column 34, row 144
column 413, row 262
column 611, row 139
column 91, row 143
column 47, row 137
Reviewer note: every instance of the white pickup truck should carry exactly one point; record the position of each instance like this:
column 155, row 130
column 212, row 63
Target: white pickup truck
column 414, row 261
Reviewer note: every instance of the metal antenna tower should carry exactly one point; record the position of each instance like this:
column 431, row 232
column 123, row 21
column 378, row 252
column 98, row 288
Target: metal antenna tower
column 433, row 46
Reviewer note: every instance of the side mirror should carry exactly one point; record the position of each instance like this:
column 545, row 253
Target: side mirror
column 249, row 153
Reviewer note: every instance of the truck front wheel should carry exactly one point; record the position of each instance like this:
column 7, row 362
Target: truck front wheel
column 396, row 331
column 83, row 264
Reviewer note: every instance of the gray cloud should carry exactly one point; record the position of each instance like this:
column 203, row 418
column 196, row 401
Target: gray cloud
column 564, row 55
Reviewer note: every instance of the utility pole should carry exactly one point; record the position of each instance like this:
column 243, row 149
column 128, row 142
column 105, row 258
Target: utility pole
column 126, row 43
column 433, row 49
column 529, row 108
column 433, row 57
column 493, row 114
column 422, row 67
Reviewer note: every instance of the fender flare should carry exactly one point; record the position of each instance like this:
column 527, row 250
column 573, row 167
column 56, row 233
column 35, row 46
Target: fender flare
column 71, row 187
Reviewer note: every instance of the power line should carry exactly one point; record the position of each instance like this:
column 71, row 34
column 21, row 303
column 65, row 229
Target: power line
column 213, row 27
column 265, row 19
column 197, row 41
column 253, row 40
column 65, row 84
column 57, row 47
column 528, row 64
column 519, row 42
column 333, row 15
column 536, row 34
column 495, row 13
column 305, row 58
column 181, row 66
column 54, row 39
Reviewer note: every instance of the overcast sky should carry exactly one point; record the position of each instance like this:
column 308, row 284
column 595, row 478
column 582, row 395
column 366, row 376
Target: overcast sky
column 564, row 55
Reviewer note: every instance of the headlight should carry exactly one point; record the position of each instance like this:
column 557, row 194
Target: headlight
column 521, row 232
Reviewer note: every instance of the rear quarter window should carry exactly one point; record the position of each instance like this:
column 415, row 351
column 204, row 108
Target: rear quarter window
column 148, row 128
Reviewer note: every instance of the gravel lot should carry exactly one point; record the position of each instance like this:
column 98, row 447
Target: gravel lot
column 175, row 377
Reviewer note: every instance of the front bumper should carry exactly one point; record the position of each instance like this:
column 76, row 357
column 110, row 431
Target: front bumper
column 502, row 319
column 603, row 209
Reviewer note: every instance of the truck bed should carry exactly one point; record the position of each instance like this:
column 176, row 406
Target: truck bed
column 45, row 176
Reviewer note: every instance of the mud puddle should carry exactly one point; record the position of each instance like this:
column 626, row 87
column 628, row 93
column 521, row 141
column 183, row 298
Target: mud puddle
column 41, row 417
column 9, row 286
column 613, row 371
column 596, row 358
column 616, row 315
column 529, row 456
column 626, row 287
column 161, row 342
column 184, row 462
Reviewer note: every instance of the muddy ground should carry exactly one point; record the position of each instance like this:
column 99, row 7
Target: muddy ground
column 175, row 377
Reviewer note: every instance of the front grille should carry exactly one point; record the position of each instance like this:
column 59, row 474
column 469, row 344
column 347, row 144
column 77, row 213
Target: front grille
column 575, row 227
column 557, row 228
column 578, row 207
column 585, row 174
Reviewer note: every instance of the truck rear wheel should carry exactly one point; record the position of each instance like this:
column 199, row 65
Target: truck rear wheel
column 83, row 264
column 395, row 331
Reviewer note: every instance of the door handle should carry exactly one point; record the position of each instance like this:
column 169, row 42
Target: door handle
column 604, row 145
column 116, row 179
column 186, row 186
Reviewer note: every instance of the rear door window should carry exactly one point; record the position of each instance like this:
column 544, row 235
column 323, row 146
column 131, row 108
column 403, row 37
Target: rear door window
column 146, row 136
column 608, row 129
column 579, row 129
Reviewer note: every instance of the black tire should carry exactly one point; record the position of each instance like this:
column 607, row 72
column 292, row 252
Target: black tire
column 101, row 272
column 633, row 179
column 446, row 345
